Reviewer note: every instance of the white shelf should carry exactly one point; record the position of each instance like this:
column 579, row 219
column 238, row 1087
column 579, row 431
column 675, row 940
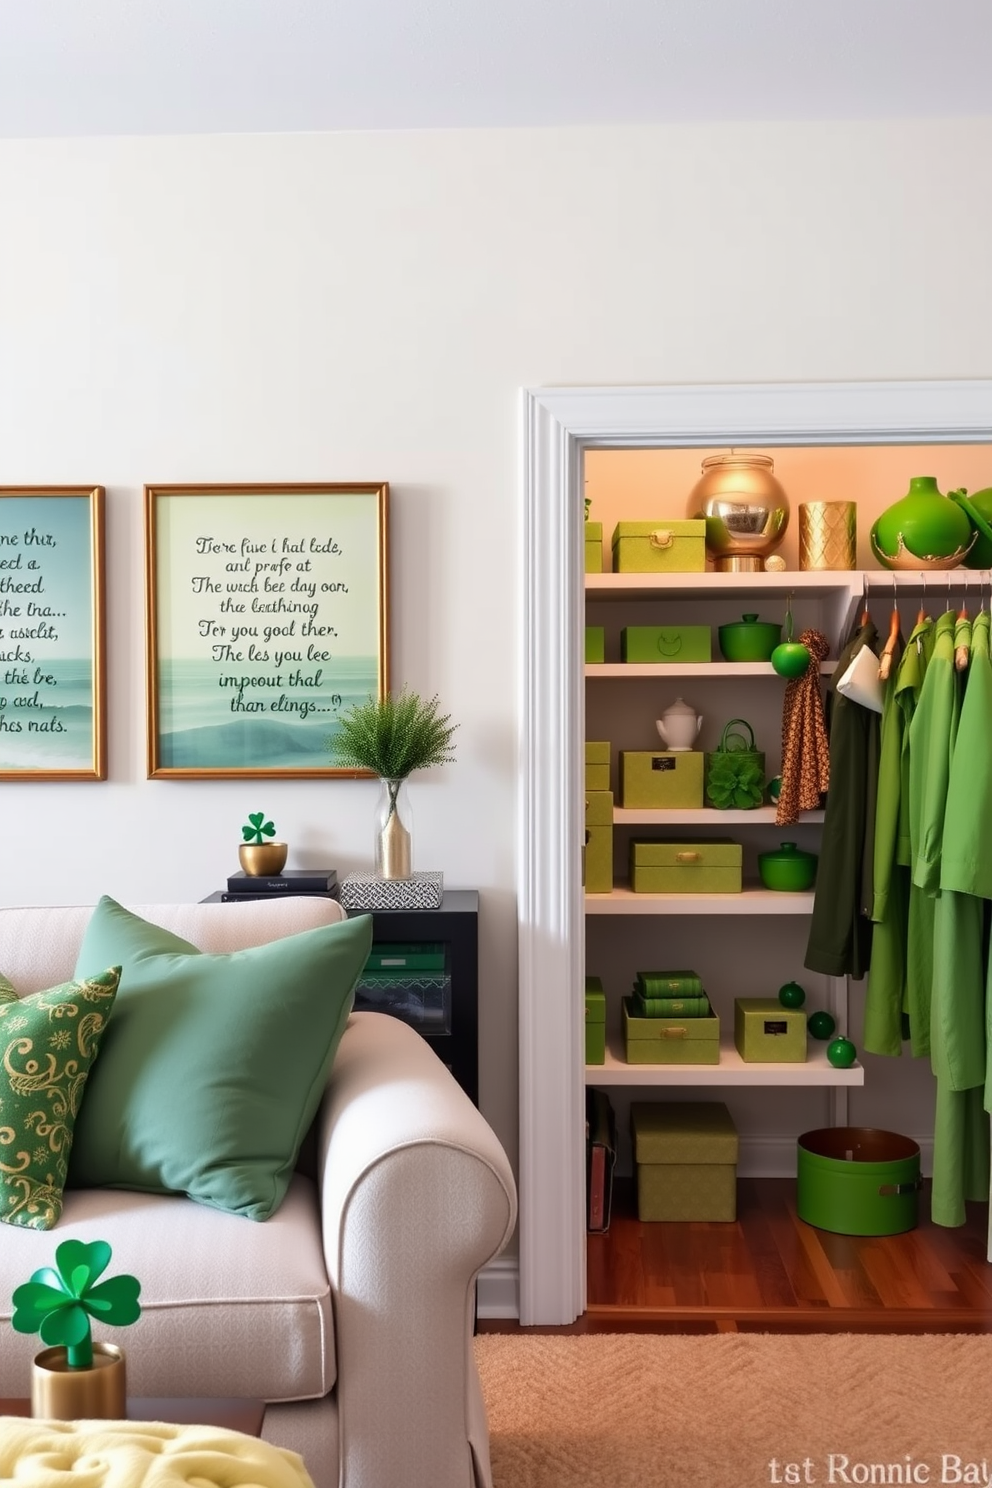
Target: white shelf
column 648, row 586
column 732, row 1070
column 751, row 901
column 627, row 670
column 705, row 816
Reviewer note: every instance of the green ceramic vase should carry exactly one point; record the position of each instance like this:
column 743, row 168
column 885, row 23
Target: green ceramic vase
column 926, row 529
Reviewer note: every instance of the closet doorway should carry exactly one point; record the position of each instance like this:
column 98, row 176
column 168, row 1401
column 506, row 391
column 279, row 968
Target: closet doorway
column 560, row 427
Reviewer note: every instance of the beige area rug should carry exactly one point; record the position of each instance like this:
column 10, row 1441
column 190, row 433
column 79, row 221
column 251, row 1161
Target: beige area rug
column 737, row 1410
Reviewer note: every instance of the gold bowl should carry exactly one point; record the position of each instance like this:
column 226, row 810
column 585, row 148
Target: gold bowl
column 258, row 858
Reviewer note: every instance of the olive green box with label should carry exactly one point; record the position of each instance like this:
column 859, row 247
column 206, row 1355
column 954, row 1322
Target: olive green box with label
column 660, row 547
column 765, row 1032
column 663, row 779
column 594, row 547
column 670, row 1040
column 685, row 1153
column 595, row 1021
column 597, row 764
column 661, row 866
column 666, row 645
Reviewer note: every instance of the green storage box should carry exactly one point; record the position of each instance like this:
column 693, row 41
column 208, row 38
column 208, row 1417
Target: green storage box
column 594, row 547
column 664, row 779
column 661, row 866
column 660, row 547
column 595, row 644
column 856, row 1180
column 670, row 1040
column 599, row 808
column 595, row 1021
column 597, row 764
column 765, row 1032
column 665, row 644
column 685, row 1154
column 599, row 859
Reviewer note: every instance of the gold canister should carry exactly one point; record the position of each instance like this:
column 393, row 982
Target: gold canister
column 745, row 509
column 828, row 534
column 63, row 1394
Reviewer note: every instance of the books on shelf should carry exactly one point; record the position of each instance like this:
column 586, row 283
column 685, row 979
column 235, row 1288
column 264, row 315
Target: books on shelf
column 669, row 984
column 290, row 881
column 671, row 1007
column 601, row 1156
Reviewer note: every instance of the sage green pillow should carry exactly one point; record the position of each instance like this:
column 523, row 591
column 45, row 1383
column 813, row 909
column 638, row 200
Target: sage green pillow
column 48, row 1042
column 214, row 1065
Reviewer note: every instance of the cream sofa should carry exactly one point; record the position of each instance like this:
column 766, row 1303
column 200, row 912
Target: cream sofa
column 351, row 1310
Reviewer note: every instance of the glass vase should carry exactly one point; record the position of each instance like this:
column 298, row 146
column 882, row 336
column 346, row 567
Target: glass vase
column 393, row 830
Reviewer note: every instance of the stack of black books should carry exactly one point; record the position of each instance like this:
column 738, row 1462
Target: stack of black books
column 242, row 886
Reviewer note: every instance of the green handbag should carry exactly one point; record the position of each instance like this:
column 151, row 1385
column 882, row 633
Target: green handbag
column 734, row 773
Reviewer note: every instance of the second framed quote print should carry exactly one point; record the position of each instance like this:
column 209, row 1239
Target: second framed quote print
column 267, row 617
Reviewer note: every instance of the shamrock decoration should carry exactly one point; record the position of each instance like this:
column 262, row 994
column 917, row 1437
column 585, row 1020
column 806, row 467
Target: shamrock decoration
column 59, row 1303
column 257, row 827
column 735, row 781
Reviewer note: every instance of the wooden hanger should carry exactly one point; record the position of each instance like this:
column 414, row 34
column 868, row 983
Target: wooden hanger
column 962, row 654
column 892, row 641
column 865, row 613
column 921, row 614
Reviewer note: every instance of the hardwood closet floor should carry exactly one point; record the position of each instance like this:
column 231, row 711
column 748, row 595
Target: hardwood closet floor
column 772, row 1273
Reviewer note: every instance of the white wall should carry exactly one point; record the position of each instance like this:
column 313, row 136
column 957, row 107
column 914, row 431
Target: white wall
column 367, row 307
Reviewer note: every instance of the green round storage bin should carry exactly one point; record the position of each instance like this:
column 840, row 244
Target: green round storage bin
column 855, row 1180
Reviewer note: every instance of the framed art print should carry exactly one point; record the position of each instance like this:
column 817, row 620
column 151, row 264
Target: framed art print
column 267, row 617
column 52, row 660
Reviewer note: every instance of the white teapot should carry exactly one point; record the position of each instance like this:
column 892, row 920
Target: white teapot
column 678, row 727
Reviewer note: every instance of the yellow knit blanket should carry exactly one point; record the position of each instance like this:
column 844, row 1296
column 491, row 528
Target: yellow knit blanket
column 152, row 1454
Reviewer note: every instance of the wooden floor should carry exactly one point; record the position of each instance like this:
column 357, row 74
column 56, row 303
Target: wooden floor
column 771, row 1272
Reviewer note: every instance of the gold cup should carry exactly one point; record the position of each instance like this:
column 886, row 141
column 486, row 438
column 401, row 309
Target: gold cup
column 263, row 857
column 828, row 534
column 63, row 1394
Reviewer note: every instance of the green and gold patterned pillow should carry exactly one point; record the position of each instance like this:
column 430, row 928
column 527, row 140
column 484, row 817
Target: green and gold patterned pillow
column 48, row 1041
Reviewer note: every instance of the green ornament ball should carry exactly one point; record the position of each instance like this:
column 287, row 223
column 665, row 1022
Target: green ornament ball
column 791, row 995
column 821, row 1024
column 841, row 1053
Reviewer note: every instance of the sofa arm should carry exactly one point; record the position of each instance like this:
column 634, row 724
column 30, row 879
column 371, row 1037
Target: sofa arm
column 417, row 1195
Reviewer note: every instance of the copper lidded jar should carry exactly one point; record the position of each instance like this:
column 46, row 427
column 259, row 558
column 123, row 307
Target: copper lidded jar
column 745, row 508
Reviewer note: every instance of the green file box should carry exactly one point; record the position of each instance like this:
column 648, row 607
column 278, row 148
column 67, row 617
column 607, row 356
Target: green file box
column 594, row 547
column 597, row 764
column 666, row 644
column 599, row 808
column 595, row 643
column 670, row 1040
column 685, row 1154
column 660, row 866
column 660, row 547
column 765, row 1032
column 599, row 859
column 595, row 1021
column 663, row 779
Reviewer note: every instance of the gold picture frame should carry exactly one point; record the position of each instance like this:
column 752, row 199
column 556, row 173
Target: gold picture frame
column 266, row 618
column 53, row 711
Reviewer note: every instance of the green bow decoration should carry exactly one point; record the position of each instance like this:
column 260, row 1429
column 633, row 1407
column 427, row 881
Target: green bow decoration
column 59, row 1303
column 735, row 782
column 257, row 827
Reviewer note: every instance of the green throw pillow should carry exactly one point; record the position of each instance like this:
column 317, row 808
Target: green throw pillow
column 48, row 1042
column 214, row 1065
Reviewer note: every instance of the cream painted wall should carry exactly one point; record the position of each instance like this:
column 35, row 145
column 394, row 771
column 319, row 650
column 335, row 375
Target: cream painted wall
column 367, row 307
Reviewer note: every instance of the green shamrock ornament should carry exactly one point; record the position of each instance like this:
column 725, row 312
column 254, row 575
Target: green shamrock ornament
column 257, row 827
column 58, row 1303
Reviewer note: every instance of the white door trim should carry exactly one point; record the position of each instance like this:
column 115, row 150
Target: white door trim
column 559, row 424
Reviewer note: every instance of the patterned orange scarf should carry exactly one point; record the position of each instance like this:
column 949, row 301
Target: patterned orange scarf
column 805, row 752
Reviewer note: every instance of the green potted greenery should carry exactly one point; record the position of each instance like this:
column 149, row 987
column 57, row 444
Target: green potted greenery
column 75, row 1378
column 255, row 854
column 391, row 737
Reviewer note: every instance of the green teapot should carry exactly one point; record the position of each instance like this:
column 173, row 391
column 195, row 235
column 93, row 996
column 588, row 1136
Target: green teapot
column 926, row 529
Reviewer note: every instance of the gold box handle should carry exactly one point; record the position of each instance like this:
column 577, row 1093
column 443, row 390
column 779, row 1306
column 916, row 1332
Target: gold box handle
column 661, row 538
column 688, row 857
column 674, row 1033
